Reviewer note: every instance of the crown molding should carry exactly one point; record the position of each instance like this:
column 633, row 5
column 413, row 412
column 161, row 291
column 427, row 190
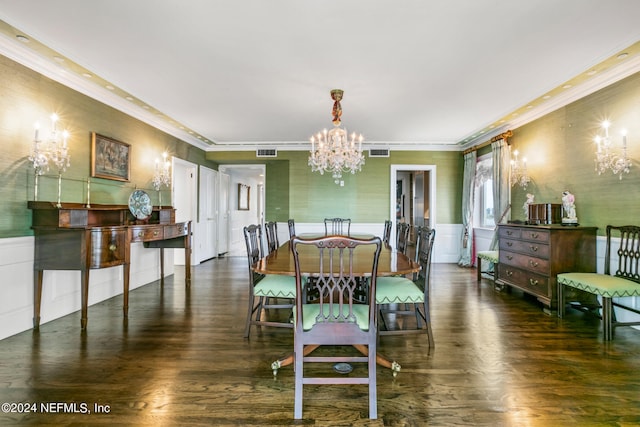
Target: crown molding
column 24, row 56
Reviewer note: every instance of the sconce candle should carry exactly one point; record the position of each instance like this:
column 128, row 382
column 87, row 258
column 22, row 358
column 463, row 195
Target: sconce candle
column 607, row 158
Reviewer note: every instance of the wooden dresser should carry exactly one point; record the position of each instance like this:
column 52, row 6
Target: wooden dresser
column 75, row 237
column 530, row 257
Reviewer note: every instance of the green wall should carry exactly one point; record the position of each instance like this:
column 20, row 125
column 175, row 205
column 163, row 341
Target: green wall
column 28, row 97
column 560, row 155
column 293, row 191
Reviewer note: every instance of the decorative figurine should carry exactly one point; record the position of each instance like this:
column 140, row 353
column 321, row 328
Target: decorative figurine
column 569, row 209
column 525, row 207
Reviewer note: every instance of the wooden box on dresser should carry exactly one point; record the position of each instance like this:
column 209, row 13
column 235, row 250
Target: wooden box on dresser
column 531, row 256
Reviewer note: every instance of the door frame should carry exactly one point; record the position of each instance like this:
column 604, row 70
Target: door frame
column 431, row 169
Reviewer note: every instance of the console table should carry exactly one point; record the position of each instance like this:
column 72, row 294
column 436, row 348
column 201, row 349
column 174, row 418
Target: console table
column 531, row 256
column 76, row 237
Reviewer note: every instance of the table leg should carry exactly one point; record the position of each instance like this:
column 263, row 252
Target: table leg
column 380, row 359
column 187, row 257
column 84, row 283
column 161, row 266
column 125, row 293
column 288, row 359
column 37, row 297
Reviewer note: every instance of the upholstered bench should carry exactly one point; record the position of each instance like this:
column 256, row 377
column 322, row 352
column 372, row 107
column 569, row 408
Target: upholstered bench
column 625, row 282
column 489, row 256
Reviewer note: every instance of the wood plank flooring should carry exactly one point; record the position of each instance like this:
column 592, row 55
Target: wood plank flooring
column 181, row 360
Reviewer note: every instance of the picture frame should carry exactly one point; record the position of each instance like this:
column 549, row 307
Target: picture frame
column 110, row 158
column 244, row 196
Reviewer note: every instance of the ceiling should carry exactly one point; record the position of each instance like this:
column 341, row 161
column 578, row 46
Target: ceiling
column 252, row 73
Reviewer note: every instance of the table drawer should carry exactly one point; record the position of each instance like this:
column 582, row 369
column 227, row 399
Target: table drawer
column 538, row 250
column 525, row 280
column 146, row 233
column 533, row 264
column 108, row 247
column 175, row 230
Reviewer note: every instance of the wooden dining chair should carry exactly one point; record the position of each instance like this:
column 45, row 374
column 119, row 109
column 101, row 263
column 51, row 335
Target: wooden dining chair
column 386, row 234
column 266, row 291
column 292, row 228
column 402, row 237
column 405, row 298
column 336, row 318
column 337, row 226
column 271, row 230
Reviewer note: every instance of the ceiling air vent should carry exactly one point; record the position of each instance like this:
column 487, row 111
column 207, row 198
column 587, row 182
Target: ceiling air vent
column 379, row 152
column 266, row 152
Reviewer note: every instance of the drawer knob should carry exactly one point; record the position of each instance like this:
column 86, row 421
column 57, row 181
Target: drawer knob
column 509, row 273
column 509, row 257
column 533, row 282
column 140, row 234
column 533, row 263
column 112, row 247
column 534, row 235
column 180, row 229
column 509, row 232
column 509, row 243
column 534, row 248
column 155, row 233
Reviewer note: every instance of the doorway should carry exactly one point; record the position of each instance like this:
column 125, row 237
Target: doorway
column 412, row 196
column 184, row 200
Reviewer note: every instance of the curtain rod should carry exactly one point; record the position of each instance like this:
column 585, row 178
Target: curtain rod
column 505, row 135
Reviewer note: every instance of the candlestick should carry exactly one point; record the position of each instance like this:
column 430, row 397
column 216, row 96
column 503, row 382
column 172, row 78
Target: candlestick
column 88, row 192
column 59, row 205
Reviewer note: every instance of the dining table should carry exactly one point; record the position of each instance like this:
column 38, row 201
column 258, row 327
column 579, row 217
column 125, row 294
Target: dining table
column 390, row 263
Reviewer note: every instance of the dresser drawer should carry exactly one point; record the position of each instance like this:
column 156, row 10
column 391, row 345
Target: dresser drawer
column 533, row 264
column 525, row 280
column 175, row 230
column 146, row 233
column 509, row 233
column 535, row 235
column 108, row 247
column 538, row 250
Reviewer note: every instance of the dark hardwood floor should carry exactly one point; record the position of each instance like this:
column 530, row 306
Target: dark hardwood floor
column 180, row 359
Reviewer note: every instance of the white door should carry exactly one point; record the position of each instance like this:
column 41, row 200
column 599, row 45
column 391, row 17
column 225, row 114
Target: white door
column 184, row 200
column 208, row 215
column 223, row 213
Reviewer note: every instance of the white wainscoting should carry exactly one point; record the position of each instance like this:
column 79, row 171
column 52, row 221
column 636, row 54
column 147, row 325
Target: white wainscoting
column 61, row 289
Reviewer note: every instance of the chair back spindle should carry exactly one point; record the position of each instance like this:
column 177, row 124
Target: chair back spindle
column 337, row 226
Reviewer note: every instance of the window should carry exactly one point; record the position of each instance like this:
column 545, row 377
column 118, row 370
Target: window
column 484, row 215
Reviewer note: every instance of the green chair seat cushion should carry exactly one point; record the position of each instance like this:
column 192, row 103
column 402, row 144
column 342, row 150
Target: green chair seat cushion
column 601, row 284
column 311, row 311
column 397, row 289
column 491, row 256
column 276, row 286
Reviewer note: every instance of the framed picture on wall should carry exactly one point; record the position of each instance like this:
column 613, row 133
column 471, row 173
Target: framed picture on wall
column 110, row 159
column 243, row 197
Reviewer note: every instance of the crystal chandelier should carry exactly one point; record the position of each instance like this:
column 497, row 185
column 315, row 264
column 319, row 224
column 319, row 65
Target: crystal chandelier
column 606, row 158
column 161, row 175
column 52, row 151
column 333, row 151
column 519, row 173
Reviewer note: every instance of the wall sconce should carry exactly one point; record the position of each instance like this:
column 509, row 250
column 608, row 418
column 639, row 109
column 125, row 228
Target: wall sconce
column 606, row 157
column 519, row 171
column 161, row 175
column 52, row 151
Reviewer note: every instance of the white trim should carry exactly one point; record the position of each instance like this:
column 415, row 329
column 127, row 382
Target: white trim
column 392, row 194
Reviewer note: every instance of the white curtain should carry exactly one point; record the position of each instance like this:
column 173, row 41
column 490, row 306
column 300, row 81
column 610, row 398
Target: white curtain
column 501, row 155
column 468, row 191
